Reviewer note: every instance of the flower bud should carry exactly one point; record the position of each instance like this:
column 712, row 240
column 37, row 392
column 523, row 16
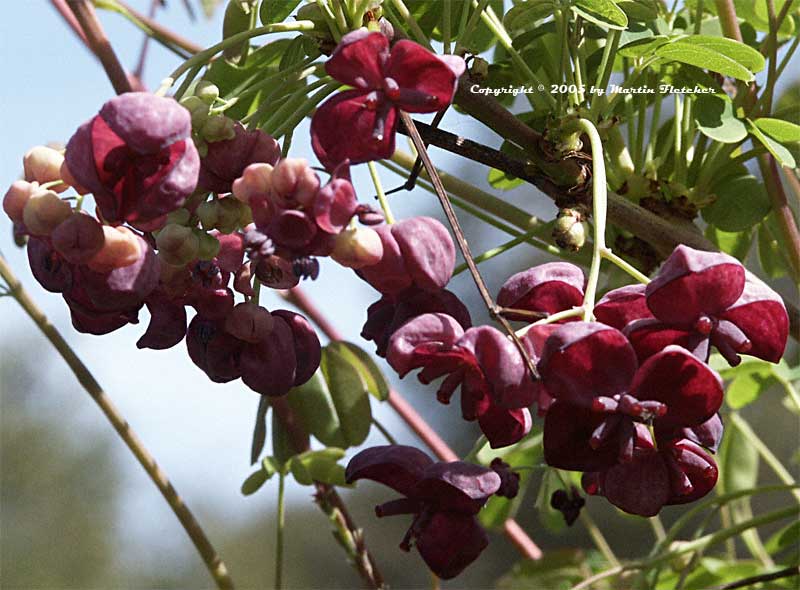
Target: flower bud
column 229, row 214
column 177, row 244
column 121, row 247
column 358, row 247
column 294, row 182
column 208, row 214
column 249, row 322
column 179, row 216
column 43, row 164
column 218, row 128
column 569, row 231
column 78, row 238
column 209, row 245
column 198, row 110
column 276, row 273
column 16, row 196
column 254, row 181
column 43, row 211
column 206, row 91
column 68, row 178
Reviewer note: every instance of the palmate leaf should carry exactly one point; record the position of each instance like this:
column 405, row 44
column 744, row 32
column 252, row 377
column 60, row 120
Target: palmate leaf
column 716, row 119
column 742, row 202
column 778, row 151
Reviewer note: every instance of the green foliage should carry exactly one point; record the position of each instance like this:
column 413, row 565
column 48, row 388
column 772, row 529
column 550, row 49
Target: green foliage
column 715, row 118
column 741, row 203
column 321, row 466
column 604, row 13
column 724, row 56
column 275, row 11
column 560, row 569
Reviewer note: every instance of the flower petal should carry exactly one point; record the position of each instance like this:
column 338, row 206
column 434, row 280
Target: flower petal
column 335, row 205
column 269, row 366
column 358, row 59
column 428, row 251
column 690, row 389
column 167, row 324
column 621, row 306
column 761, row 315
column 398, row 466
column 389, row 276
column 687, row 461
column 427, row 83
column 504, row 427
column 450, row 542
column 693, row 283
column 650, row 336
column 308, row 352
column 430, row 328
column 640, row 486
column 369, row 132
column 567, row 431
column 548, row 288
column 145, row 122
column 582, row 360
column 456, row 486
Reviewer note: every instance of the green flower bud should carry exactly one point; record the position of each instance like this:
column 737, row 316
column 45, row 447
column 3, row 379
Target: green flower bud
column 229, row 214
column 179, row 216
column 209, row 245
column 218, row 128
column 569, row 230
column 44, row 211
column 206, row 91
column 208, row 214
column 177, row 244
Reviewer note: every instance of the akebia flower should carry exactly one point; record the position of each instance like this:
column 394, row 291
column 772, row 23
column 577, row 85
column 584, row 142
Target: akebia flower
column 547, row 288
column 708, row 298
column 407, row 77
column 416, row 251
column 136, row 157
column 496, row 388
column 443, row 498
column 602, row 395
column 386, row 315
column 227, row 159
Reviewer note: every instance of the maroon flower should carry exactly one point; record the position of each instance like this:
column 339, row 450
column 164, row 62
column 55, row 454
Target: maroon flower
column 386, row 315
column 602, row 395
column 496, row 388
column 407, row 77
column 443, row 497
column 546, row 288
column 702, row 298
column 416, row 251
column 136, row 156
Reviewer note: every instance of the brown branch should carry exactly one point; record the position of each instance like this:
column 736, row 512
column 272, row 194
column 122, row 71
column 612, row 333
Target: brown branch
column 207, row 552
column 780, row 574
column 66, row 14
column 348, row 534
column 521, row 540
column 461, row 240
column 164, row 32
column 99, row 44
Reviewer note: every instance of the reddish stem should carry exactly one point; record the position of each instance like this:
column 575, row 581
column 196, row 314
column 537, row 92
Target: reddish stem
column 524, row 544
column 66, row 14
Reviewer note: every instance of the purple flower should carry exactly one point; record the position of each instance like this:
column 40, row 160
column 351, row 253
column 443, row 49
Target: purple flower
column 136, row 157
column 708, row 298
column 227, row 159
column 443, row 497
column 546, row 288
column 602, row 395
column 496, row 388
column 407, row 77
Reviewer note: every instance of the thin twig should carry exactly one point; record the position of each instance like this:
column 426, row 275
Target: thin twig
column 98, row 42
column 329, row 500
column 784, row 573
column 139, row 70
column 521, row 540
column 209, row 555
column 66, row 14
column 164, row 32
column 491, row 306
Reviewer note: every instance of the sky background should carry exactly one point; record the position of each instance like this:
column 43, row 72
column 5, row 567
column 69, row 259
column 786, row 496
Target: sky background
column 200, row 432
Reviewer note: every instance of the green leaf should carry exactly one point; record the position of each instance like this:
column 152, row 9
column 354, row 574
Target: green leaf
column 788, row 536
column 779, row 130
column 282, row 449
column 254, row 482
column 371, row 375
column 749, row 381
column 737, row 244
column 643, row 47
column 779, row 152
column 349, row 394
column 754, row 12
column 524, row 16
column 561, row 568
column 716, row 119
column 741, row 203
column 314, row 407
column 260, row 429
column 321, row 466
column 724, row 56
column 770, row 249
column 738, row 463
column 639, row 10
column 603, row 13
column 275, row 11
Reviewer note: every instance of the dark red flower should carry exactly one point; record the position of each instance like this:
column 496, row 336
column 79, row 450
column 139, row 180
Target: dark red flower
column 602, row 395
column 136, row 157
column 496, row 388
column 702, row 298
column 443, row 497
column 407, row 77
column 416, row 251
column 546, row 288
column 390, row 312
